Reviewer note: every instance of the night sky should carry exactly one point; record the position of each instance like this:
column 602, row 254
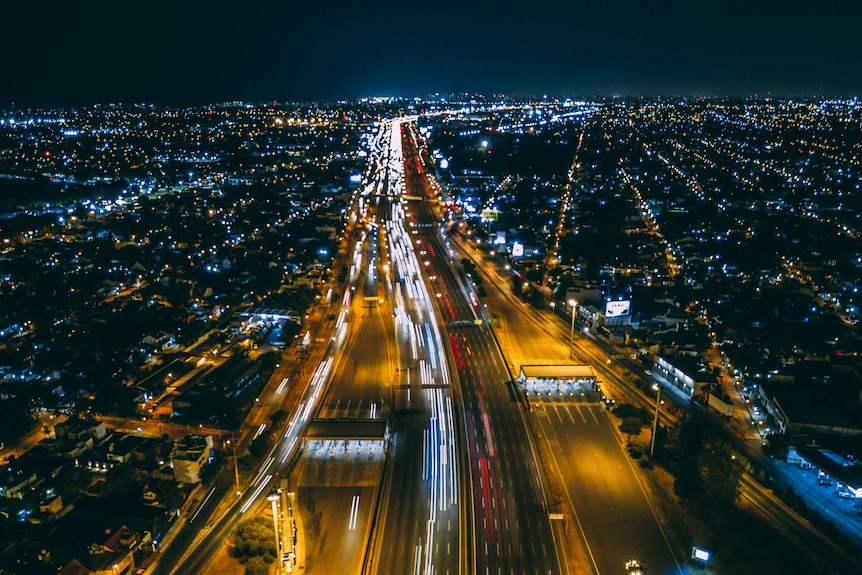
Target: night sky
column 178, row 52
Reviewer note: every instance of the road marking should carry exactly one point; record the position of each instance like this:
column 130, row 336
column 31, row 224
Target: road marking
column 354, row 513
column 569, row 413
column 581, row 413
column 281, row 385
column 557, row 413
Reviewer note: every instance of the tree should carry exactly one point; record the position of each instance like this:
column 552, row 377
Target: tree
column 720, row 472
column 705, row 468
column 625, row 410
column 631, row 425
column 73, row 482
column 256, row 566
column 122, row 481
column 260, row 446
column 254, row 538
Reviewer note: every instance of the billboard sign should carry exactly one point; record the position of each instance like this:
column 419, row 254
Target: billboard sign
column 617, row 308
column 517, row 250
column 490, row 215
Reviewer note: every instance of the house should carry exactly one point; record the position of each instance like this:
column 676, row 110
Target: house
column 686, row 373
column 75, row 429
column 189, row 456
column 812, row 410
column 74, row 567
column 48, row 510
column 122, row 449
column 158, row 340
column 76, row 437
column 28, row 471
column 113, row 557
column 52, row 505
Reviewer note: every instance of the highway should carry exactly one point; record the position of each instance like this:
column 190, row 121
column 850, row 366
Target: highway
column 337, row 481
column 603, row 488
column 603, row 499
column 531, row 336
column 509, row 528
column 420, row 516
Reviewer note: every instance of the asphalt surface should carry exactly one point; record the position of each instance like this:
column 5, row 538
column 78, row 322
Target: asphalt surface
column 337, row 484
column 420, row 514
column 604, row 499
column 611, row 507
column 509, row 526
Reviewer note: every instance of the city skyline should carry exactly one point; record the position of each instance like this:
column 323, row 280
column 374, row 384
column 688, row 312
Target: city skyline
column 69, row 55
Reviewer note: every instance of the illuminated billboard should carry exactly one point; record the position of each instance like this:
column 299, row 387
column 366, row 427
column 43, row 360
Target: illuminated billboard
column 517, row 250
column 617, row 308
column 490, row 215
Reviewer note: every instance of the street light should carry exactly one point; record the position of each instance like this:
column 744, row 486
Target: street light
column 656, row 387
column 273, row 498
column 574, row 305
column 235, row 466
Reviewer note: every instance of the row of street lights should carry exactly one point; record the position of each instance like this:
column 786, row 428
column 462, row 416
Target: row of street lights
column 573, row 304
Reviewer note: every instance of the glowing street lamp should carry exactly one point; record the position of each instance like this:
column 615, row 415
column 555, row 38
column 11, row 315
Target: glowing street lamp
column 656, row 387
column 574, row 305
column 273, row 498
column 235, row 466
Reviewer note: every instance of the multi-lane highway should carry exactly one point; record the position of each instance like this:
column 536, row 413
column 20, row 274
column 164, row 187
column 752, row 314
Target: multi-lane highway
column 419, row 522
column 603, row 500
column 609, row 504
column 509, row 528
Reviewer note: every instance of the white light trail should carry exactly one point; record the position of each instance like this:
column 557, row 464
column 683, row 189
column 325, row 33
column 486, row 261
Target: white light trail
column 354, row 513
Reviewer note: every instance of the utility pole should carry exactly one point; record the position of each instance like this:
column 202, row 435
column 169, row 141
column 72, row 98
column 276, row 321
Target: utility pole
column 235, row 466
column 656, row 387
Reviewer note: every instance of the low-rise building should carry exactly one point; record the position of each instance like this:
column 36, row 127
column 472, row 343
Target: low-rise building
column 189, row 456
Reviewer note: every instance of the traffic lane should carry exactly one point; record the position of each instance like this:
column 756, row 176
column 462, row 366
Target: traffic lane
column 612, row 507
column 364, row 376
column 776, row 512
column 501, row 533
column 406, row 509
column 529, row 545
column 405, row 531
column 514, row 441
column 525, row 503
column 451, row 292
column 336, row 490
